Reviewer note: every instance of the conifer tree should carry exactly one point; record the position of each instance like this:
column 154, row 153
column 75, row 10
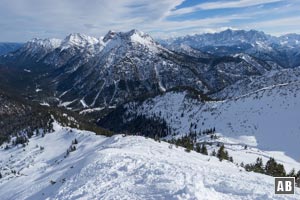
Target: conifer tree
column 292, row 173
column 298, row 179
column 222, row 154
column 204, row 149
column 242, row 164
column 75, row 141
column 198, row 148
column 258, row 166
column 272, row 168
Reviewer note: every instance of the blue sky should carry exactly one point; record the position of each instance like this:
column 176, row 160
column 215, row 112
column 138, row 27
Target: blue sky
column 21, row 20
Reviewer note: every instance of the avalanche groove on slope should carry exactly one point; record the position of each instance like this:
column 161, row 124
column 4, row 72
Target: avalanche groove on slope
column 122, row 168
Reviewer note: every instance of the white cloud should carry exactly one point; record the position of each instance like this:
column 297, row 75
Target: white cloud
column 191, row 26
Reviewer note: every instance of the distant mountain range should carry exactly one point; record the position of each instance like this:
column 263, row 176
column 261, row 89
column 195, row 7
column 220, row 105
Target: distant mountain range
column 283, row 50
column 7, row 47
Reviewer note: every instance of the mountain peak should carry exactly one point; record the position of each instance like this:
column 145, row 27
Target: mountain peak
column 110, row 35
column 78, row 39
column 133, row 36
column 228, row 30
column 125, row 35
column 238, row 32
column 140, row 37
column 135, row 32
column 49, row 43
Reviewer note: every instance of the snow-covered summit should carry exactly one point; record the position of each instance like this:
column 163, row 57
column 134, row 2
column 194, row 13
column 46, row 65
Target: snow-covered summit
column 133, row 36
column 49, row 43
column 74, row 39
column 38, row 48
column 79, row 40
column 142, row 38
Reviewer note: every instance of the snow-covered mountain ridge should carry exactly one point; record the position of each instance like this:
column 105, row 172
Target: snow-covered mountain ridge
column 283, row 50
column 120, row 167
column 41, row 47
column 231, row 37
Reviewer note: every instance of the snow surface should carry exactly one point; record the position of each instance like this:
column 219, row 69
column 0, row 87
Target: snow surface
column 118, row 167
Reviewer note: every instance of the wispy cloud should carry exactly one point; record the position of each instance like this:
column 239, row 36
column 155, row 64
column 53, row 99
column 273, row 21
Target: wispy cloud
column 222, row 5
column 22, row 20
column 279, row 26
column 289, row 21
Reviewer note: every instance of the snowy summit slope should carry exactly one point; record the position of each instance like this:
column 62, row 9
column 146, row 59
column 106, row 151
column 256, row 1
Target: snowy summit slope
column 122, row 168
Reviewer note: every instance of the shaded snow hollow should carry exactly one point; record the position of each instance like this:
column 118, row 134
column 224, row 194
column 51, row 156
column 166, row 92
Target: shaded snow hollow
column 122, row 168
